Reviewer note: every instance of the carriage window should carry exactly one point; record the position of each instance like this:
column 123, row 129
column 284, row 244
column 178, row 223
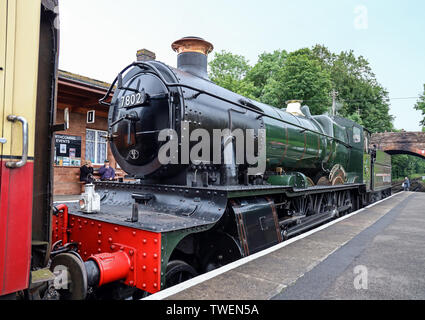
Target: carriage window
column 357, row 135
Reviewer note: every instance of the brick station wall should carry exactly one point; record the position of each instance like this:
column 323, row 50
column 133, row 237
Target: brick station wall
column 66, row 179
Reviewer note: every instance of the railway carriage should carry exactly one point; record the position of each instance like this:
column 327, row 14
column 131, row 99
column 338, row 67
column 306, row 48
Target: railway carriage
column 28, row 73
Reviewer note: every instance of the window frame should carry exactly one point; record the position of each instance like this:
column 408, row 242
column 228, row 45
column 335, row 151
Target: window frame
column 359, row 132
column 96, row 145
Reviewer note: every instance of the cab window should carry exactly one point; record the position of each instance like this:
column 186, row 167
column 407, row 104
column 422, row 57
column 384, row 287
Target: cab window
column 357, row 135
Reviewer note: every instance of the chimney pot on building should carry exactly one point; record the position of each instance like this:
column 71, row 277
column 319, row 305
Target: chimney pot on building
column 145, row 55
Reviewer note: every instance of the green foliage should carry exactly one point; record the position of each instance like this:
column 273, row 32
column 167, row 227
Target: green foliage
column 356, row 118
column 301, row 78
column 420, row 105
column 358, row 89
column 309, row 75
column 226, row 64
column 267, row 67
column 229, row 70
column 406, row 166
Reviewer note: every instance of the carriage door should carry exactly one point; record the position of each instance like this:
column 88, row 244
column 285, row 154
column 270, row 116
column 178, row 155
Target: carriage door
column 2, row 66
column 19, row 38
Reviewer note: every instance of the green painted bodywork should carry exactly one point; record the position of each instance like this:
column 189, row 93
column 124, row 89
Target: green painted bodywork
column 291, row 179
column 170, row 240
column 367, row 171
column 382, row 171
column 309, row 144
column 291, row 147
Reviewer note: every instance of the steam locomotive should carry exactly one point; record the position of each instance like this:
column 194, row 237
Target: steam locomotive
column 182, row 215
column 189, row 204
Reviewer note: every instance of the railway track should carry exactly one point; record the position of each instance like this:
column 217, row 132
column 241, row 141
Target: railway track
column 416, row 185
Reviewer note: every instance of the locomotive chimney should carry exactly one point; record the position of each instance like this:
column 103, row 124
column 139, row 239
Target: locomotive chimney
column 193, row 55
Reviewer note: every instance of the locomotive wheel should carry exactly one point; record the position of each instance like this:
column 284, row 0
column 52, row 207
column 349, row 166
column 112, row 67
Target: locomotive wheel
column 344, row 199
column 219, row 251
column 302, row 206
column 325, row 203
column 323, row 181
column 177, row 272
column 72, row 275
column 338, row 180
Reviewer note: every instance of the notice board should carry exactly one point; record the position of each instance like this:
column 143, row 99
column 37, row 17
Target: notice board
column 67, row 150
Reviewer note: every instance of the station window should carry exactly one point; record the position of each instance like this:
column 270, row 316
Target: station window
column 96, row 146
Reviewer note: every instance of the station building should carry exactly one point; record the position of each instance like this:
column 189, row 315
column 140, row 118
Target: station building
column 86, row 137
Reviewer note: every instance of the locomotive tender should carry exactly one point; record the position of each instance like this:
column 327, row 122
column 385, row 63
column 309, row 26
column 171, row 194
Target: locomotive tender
column 177, row 219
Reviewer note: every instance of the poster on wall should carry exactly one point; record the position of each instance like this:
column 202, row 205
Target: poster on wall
column 67, row 150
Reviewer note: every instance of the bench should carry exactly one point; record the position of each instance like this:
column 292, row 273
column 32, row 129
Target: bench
column 118, row 175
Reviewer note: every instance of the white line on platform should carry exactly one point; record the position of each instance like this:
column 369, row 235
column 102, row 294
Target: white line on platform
column 214, row 273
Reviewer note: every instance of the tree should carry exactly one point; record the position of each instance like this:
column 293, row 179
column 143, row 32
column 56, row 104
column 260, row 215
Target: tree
column 420, row 105
column 266, row 68
column 356, row 118
column 309, row 75
column 300, row 78
column 358, row 89
column 229, row 70
column 406, row 165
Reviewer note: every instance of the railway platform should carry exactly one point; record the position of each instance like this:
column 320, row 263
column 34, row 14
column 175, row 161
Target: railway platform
column 374, row 253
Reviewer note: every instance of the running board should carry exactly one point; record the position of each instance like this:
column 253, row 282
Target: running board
column 310, row 223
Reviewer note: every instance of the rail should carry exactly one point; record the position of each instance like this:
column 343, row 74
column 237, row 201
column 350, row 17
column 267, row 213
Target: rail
column 415, row 186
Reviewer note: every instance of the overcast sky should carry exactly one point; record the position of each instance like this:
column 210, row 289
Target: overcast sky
column 100, row 37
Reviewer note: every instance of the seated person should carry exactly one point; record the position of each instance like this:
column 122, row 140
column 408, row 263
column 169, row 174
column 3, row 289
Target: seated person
column 106, row 172
column 86, row 172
